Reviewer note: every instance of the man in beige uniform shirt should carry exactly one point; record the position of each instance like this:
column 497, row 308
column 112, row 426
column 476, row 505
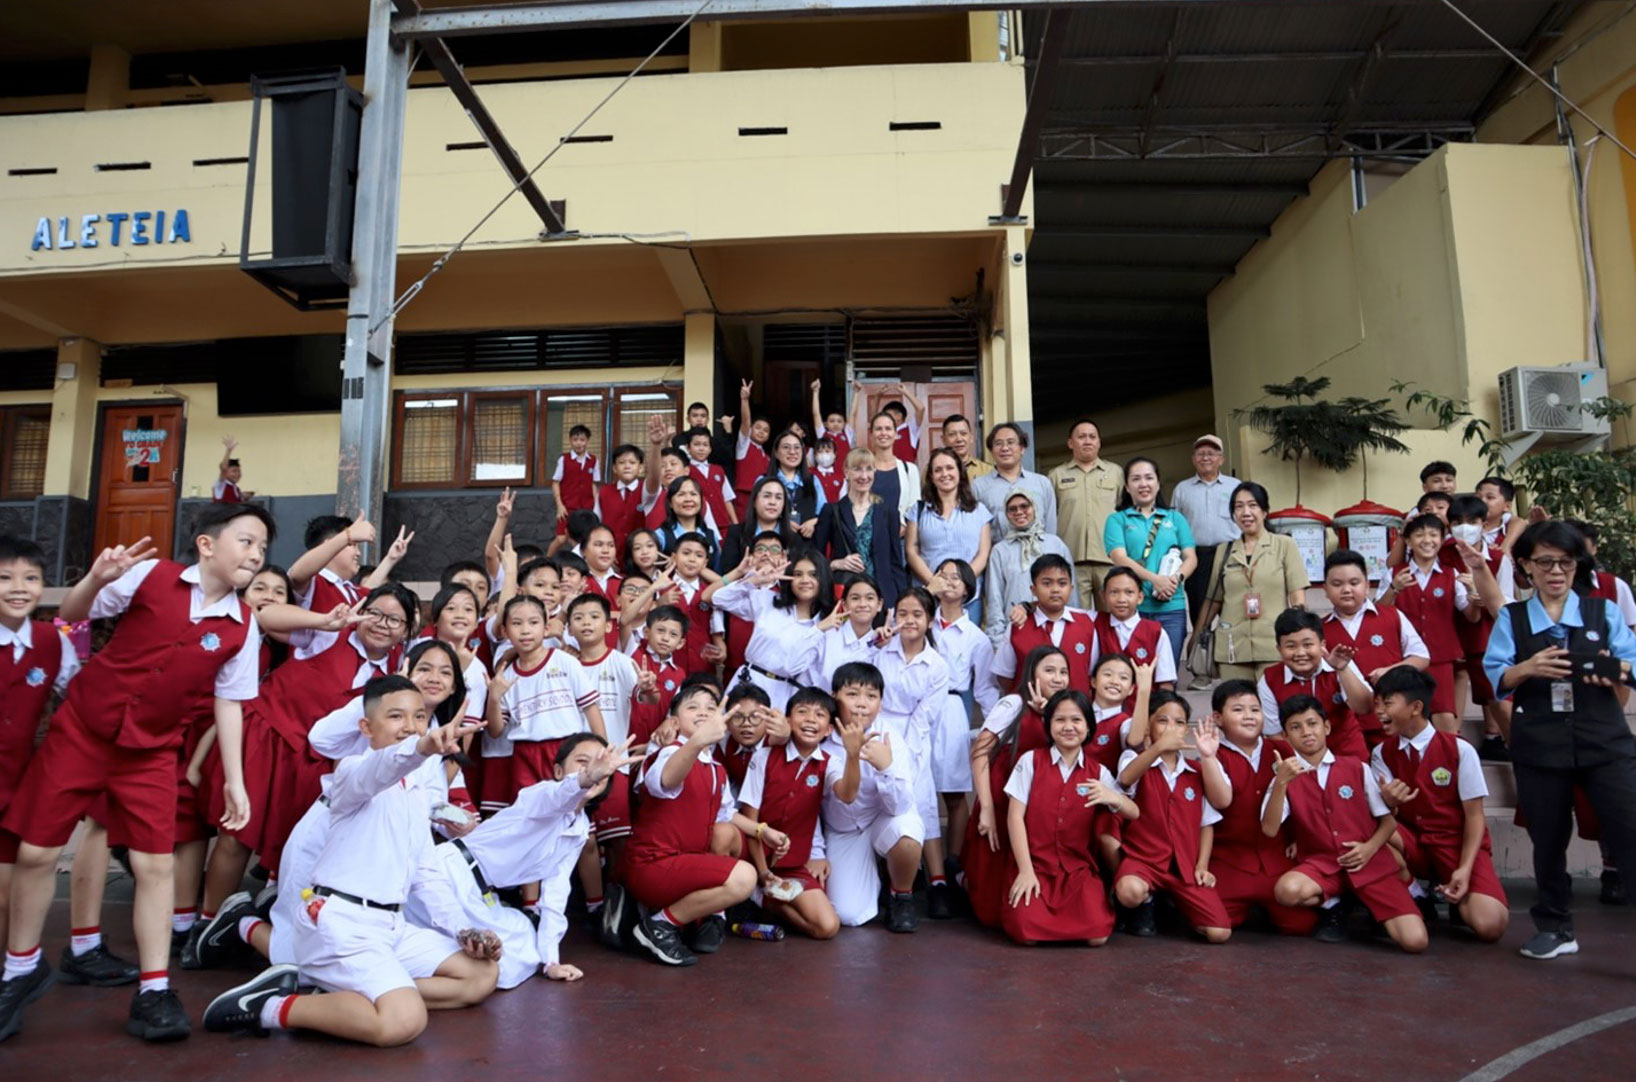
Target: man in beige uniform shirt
column 1087, row 490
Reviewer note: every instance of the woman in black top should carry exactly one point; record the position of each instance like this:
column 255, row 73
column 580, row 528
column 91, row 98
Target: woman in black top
column 859, row 532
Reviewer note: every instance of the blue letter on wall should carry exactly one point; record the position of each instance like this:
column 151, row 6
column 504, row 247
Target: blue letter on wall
column 42, row 236
column 179, row 228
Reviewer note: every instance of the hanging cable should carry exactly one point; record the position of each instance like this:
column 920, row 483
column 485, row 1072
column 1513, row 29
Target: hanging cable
column 1538, row 78
column 415, row 287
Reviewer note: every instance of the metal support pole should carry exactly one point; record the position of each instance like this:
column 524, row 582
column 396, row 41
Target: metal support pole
column 366, row 373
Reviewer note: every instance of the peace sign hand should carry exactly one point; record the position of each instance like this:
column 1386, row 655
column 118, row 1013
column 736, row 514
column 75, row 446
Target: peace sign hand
column 1036, row 698
column 400, row 545
column 114, row 562
column 835, row 619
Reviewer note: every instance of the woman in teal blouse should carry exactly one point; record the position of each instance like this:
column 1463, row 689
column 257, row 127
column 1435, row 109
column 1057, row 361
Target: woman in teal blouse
column 1142, row 535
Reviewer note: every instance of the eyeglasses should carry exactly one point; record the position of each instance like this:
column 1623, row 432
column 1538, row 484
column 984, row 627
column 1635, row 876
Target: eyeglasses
column 997, row 444
column 1019, row 509
column 1562, row 563
column 768, row 550
column 386, row 620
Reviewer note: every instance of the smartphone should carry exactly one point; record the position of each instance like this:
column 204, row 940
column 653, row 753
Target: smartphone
column 1604, row 665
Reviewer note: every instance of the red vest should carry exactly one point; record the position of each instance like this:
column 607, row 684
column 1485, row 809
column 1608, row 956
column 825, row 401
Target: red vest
column 751, row 467
column 577, row 489
column 139, row 691
column 231, row 493
column 1431, row 611
column 790, row 801
column 302, row 690
column 326, row 595
column 621, row 512
column 1473, row 634
column 1143, row 647
column 739, row 631
column 698, row 611
column 667, row 828
column 904, row 448
column 1377, row 645
column 833, row 480
column 646, row 717
column 1239, row 842
column 1437, row 816
column 1104, row 744
column 712, row 481
column 1345, row 731
column 1605, row 586
column 1324, row 819
column 1077, row 636
column 1059, row 824
column 25, row 688
column 1168, row 828
column 735, row 757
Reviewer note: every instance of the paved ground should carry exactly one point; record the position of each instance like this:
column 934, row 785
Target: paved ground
column 951, row 1002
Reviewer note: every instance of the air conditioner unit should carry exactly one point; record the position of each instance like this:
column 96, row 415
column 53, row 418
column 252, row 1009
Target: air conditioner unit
column 1545, row 405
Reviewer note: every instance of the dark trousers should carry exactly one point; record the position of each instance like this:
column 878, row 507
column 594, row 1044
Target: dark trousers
column 1546, row 798
column 1199, row 582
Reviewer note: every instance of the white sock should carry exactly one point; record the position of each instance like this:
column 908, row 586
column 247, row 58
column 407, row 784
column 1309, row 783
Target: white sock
column 21, row 965
column 271, row 1010
column 1331, row 903
column 663, row 916
column 1416, row 890
column 157, row 982
column 84, row 940
column 248, row 925
column 183, row 920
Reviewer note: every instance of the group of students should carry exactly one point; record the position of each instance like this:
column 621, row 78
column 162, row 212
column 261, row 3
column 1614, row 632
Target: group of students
column 695, row 740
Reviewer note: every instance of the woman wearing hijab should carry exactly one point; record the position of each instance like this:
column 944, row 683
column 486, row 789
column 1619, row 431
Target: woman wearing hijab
column 1007, row 581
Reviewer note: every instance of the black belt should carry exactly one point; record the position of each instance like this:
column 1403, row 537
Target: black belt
column 771, row 675
column 476, row 868
column 327, row 892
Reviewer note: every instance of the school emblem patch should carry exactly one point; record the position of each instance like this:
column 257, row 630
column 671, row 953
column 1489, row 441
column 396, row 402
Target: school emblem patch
column 1376, row 640
column 1339, row 697
column 1189, row 794
column 36, row 677
column 1141, row 653
column 1594, row 636
column 670, row 685
column 1442, row 776
column 1346, row 792
column 1079, row 648
column 1102, row 738
column 210, row 641
column 1437, row 591
column 812, row 781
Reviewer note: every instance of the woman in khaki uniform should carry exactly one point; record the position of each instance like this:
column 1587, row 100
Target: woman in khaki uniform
column 1263, row 575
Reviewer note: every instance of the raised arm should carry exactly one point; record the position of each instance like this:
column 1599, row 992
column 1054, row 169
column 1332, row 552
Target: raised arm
column 497, row 532
column 315, row 559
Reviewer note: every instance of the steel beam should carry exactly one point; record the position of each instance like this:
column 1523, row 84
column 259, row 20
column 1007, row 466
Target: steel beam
column 1248, row 232
column 1357, row 89
column 1294, row 56
column 366, row 370
column 1179, row 188
column 1053, row 41
column 1042, row 268
column 1316, row 142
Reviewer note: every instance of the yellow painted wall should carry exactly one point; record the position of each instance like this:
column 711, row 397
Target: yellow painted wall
column 1162, row 429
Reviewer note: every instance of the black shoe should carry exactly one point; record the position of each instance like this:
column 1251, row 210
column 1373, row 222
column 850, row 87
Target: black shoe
column 19, row 993
column 710, row 934
column 617, row 919
column 664, row 941
column 216, row 940
column 1613, row 887
column 954, row 871
column 238, row 1010
column 188, row 957
column 98, row 966
column 1550, row 945
column 1493, row 750
column 158, row 1016
column 901, row 915
column 265, row 897
column 938, row 906
column 1143, row 921
column 1331, row 925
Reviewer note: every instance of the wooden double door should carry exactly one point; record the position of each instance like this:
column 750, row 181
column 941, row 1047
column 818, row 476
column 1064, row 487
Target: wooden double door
column 139, row 473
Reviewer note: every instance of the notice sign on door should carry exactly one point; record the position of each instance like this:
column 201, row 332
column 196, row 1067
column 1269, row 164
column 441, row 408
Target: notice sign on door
column 142, row 445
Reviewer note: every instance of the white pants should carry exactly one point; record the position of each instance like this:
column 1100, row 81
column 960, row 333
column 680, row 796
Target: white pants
column 520, row 954
column 301, row 851
column 352, row 948
column 917, row 747
column 951, row 748
column 854, row 884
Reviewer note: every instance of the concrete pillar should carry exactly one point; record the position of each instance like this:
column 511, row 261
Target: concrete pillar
column 109, row 84
column 72, row 450
column 1016, row 375
column 704, row 47
column 699, row 360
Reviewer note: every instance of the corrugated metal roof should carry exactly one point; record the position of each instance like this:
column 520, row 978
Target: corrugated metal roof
column 1128, row 244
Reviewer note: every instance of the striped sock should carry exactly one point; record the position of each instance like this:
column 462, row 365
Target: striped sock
column 593, row 904
column 84, row 940
column 275, row 1013
column 247, row 926
column 183, row 920
column 157, row 981
column 664, row 915
column 22, row 964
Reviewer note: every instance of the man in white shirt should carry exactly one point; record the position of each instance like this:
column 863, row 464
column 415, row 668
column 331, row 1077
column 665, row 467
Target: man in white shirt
column 1203, row 500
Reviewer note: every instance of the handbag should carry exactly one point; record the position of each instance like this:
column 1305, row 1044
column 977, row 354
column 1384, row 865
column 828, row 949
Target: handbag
column 1201, row 660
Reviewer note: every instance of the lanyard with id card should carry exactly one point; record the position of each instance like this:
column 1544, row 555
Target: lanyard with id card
column 1252, row 599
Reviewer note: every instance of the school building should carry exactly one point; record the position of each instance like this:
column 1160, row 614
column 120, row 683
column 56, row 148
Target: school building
column 1223, row 195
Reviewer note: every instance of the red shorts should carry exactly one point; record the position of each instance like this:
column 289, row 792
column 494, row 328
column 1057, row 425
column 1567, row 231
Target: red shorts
column 191, row 824
column 1201, row 906
column 1443, row 695
column 613, row 816
column 495, row 790
column 661, row 882
column 532, row 761
column 1385, row 898
column 8, row 847
column 1437, row 863
column 1242, row 891
column 73, row 768
column 1482, row 692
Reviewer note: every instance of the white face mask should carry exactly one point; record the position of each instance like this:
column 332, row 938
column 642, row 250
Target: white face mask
column 826, row 459
column 1469, row 532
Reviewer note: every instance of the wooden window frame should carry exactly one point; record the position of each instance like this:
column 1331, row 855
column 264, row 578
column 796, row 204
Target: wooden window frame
column 9, row 416
column 548, row 454
column 616, row 411
column 399, row 410
column 530, row 401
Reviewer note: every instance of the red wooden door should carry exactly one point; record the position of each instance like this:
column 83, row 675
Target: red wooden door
column 940, row 401
column 141, row 460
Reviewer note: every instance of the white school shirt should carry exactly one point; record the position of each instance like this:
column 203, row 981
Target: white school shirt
column 240, row 678
column 1253, row 756
column 755, row 783
column 888, row 792
column 306, row 644
column 378, row 846
column 653, row 779
column 615, row 680
column 1621, row 594
column 1409, row 642
column 548, row 702
column 579, row 460
column 1371, row 789
column 781, row 642
column 1000, row 716
column 1470, row 770
column 476, row 682
column 1099, row 714
column 1164, row 665
column 22, row 640
column 1493, row 537
column 839, row 646
column 1270, row 723
column 1021, row 782
column 915, row 690
column 1462, row 600
column 336, row 736
column 969, row 657
column 536, row 834
column 1210, row 815
column 1006, row 659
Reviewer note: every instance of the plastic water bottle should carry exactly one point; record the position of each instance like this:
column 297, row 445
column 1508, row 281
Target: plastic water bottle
column 771, row 933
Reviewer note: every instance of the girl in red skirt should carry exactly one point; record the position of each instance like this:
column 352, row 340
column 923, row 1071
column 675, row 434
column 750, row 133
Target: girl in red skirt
column 1056, row 793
